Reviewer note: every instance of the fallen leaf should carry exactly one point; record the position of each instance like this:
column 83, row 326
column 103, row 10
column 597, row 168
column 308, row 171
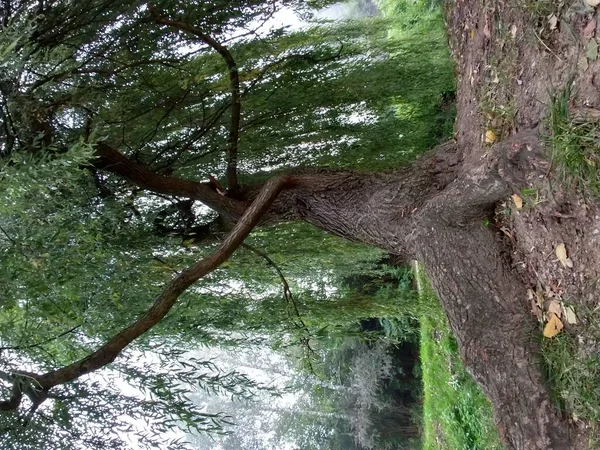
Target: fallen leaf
column 569, row 263
column 593, row 2
column 592, row 50
column 513, row 31
column 553, row 326
column 561, row 254
column 506, row 231
column 472, row 34
column 539, row 298
column 570, row 316
column 486, row 30
column 553, row 21
column 555, row 308
column 490, row 137
column 518, row 201
column 590, row 28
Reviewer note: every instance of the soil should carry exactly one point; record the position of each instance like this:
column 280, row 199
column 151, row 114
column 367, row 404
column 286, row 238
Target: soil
column 511, row 60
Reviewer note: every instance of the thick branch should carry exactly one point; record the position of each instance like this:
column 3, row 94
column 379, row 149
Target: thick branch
column 115, row 162
column 165, row 301
column 234, row 82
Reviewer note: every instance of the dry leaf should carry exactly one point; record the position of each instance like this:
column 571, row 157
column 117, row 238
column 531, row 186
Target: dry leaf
column 513, row 31
column 555, row 308
column 518, row 201
column 569, row 263
column 570, row 316
column 490, row 137
column 536, row 310
column 590, row 28
column 553, row 326
column 593, row 2
column 553, row 21
column 486, row 29
column 561, row 254
column 583, row 63
column 539, row 298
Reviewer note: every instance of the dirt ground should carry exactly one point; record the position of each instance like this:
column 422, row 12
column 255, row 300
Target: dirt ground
column 512, row 57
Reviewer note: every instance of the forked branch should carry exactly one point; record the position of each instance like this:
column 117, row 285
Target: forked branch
column 234, row 83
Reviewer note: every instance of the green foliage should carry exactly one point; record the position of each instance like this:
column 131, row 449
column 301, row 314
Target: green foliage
column 573, row 372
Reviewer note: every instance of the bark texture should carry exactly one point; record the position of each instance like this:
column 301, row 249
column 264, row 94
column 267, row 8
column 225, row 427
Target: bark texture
column 431, row 210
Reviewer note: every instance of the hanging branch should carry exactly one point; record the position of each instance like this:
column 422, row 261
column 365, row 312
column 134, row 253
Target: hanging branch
column 53, row 338
column 234, row 82
column 37, row 387
column 291, row 301
column 287, row 292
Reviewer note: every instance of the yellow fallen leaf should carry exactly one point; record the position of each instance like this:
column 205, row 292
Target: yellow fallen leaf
column 553, row 326
column 518, row 201
column 570, row 316
column 561, row 254
column 490, row 137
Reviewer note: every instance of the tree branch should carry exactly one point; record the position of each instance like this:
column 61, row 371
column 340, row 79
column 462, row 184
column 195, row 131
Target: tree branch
column 53, row 338
column 287, row 292
column 165, row 301
column 234, row 82
column 113, row 161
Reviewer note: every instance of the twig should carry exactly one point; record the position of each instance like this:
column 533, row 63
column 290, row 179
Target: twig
column 23, row 347
column 287, row 294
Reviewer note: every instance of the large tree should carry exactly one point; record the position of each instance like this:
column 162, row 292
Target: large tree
column 137, row 106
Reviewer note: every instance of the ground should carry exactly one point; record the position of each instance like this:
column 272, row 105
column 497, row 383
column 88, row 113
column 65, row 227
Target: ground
column 518, row 63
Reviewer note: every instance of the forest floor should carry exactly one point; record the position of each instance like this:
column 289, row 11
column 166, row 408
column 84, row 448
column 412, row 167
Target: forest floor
column 525, row 65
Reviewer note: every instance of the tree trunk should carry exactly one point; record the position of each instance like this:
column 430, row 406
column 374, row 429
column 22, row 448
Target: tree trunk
column 433, row 211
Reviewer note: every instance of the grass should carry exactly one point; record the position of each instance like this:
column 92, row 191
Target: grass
column 574, row 375
column 456, row 414
column 575, row 146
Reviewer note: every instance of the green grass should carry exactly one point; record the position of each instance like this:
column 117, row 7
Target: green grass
column 574, row 376
column 575, row 146
column 456, row 414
